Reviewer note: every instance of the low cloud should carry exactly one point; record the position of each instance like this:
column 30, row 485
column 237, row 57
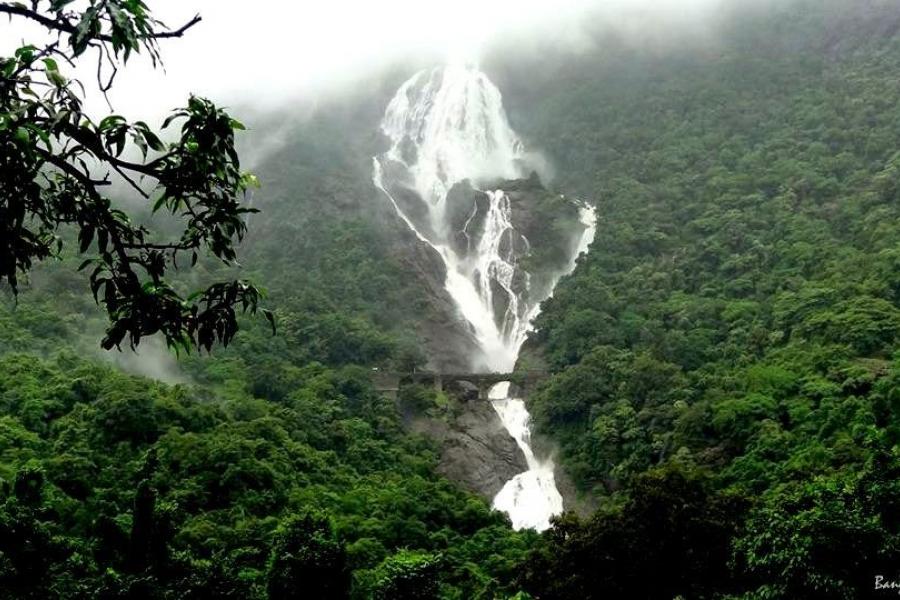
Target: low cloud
column 270, row 54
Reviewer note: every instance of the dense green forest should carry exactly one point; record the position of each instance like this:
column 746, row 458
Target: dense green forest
column 726, row 372
column 732, row 337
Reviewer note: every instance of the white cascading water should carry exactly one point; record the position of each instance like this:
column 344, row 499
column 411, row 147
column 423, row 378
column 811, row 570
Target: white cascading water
column 447, row 125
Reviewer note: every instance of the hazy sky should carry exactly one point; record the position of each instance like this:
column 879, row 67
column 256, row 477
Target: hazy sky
column 269, row 52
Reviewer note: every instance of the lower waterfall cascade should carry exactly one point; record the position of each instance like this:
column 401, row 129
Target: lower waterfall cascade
column 446, row 126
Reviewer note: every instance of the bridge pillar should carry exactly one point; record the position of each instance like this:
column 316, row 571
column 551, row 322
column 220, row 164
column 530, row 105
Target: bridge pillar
column 484, row 389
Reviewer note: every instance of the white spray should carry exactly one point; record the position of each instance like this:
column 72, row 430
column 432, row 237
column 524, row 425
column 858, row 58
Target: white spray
column 448, row 125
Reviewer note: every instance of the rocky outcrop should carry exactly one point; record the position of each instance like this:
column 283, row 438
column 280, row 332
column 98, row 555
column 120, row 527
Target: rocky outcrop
column 582, row 504
column 545, row 228
column 466, row 209
column 444, row 333
column 476, row 451
column 403, row 192
column 445, row 336
column 524, row 195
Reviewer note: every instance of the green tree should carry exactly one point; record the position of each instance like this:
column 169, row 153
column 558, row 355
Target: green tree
column 407, row 576
column 671, row 539
column 57, row 164
column 825, row 539
column 30, row 555
column 308, row 560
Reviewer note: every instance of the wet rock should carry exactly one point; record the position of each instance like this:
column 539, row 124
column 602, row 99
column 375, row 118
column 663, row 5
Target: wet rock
column 466, row 210
column 409, row 151
column 476, row 451
column 500, row 300
column 401, row 189
column 444, row 334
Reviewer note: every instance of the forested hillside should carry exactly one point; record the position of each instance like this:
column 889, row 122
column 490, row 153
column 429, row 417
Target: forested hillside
column 732, row 336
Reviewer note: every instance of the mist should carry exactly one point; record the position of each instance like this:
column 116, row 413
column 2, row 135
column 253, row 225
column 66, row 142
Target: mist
column 151, row 359
column 277, row 53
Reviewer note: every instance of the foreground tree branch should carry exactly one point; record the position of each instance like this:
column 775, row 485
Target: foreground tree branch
column 64, row 25
column 55, row 160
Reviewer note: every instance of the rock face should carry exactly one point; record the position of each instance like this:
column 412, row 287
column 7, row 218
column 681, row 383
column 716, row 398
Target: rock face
column 466, row 209
column 445, row 336
column 476, row 451
column 581, row 504
column 525, row 195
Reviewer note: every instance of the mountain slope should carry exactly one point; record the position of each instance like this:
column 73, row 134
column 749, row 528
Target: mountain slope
column 737, row 320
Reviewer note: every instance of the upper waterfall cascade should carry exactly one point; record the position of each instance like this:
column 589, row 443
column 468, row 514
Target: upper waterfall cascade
column 447, row 126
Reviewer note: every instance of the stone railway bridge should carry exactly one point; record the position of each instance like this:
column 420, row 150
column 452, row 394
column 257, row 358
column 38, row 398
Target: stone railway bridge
column 390, row 382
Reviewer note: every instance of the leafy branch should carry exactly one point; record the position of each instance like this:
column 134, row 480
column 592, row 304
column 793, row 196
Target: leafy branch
column 55, row 161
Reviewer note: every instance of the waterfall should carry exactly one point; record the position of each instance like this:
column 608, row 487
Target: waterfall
column 446, row 126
